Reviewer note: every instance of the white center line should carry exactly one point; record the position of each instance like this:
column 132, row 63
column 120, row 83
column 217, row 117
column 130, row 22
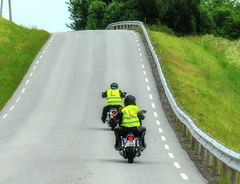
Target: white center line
column 18, row 99
column 142, row 65
column 176, row 164
column 23, row 90
column 153, row 105
column 27, row 82
column 166, row 147
column 150, row 96
column 144, row 72
column 148, row 88
column 184, row 176
column 5, row 115
column 170, row 155
column 155, row 114
column 31, row 74
column 146, row 79
column 160, row 130
column 11, row 108
column 163, row 138
column 158, row 122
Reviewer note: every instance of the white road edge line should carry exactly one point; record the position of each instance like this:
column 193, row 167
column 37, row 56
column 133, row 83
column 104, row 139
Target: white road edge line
column 153, row 105
column 176, row 164
column 27, row 82
column 11, row 108
column 166, row 147
column 18, row 99
column 23, row 90
column 170, row 155
column 150, row 96
column 184, row 176
column 163, row 138
column 160, row 130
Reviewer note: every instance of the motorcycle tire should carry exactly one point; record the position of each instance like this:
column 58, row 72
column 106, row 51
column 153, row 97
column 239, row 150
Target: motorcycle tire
column 131, row 154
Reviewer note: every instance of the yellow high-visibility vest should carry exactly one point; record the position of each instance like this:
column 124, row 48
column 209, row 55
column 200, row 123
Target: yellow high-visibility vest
column 113, row 97
column 130, row 116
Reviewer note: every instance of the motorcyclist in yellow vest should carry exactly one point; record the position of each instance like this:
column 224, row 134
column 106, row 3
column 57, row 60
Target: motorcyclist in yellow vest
column 114, row 99
column 130, row 117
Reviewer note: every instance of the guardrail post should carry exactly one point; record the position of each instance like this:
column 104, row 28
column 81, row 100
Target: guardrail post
column 208, row 159
column 234, row 175
column 203, row 154
column 192, row 143
column 216, row 166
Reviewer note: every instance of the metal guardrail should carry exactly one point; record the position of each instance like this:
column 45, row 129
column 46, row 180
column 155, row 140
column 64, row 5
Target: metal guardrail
column 200, row 141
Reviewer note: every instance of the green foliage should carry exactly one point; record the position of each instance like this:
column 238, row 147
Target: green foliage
column 18, row 47
column 203, row 75
column 184, row 17
column 96, row 13
column 79, row 13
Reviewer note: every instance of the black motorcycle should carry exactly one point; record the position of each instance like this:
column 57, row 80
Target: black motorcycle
column 131, row 145
column 112, row 118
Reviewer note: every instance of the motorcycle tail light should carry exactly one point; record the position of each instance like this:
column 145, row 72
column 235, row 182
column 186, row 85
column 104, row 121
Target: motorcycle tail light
column 114, row 115
column 130, row 138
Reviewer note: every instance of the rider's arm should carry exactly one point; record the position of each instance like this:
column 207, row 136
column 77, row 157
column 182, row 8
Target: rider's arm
column 122, row 94
column 140, row 117
column 104, row 94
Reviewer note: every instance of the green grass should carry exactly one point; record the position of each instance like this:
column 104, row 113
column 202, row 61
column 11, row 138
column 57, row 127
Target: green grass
column 204, row 76
column 18, row 48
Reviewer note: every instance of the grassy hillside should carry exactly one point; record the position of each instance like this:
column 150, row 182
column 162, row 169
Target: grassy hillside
column 204, row 76
column 18, row 47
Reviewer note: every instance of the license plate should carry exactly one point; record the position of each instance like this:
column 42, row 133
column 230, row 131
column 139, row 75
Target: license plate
column 130, row 143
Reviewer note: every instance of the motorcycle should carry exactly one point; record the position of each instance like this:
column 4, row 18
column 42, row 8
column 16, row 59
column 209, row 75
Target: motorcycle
column 111, row 118
column 131, row 145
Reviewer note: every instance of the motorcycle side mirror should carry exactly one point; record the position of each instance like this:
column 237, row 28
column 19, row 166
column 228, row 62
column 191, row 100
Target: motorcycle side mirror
column 143, row 111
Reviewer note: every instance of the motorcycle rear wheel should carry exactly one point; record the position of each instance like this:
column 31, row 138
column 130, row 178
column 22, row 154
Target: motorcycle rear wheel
column 131, row 154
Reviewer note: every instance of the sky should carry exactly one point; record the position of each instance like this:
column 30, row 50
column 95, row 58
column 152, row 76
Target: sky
column 50, row 15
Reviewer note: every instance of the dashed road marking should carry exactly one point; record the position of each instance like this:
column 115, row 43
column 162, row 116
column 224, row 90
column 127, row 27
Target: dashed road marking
column 163, row 138
column 140, row 54
column 34, row 68
column 37, row 61
column 23, row 90
column 176, row 164
column 144, row 72
column 41, row 56
column 148, row 88
column 11, row 108
column 146, row 80
column 153, row 105
column 27, row 82
column 166, row 147
column 158, row 122
column 18, row 99
column 5, row 115
column 170, row 155
column 31, row 74
column 136, row 40
column 184, row 176
column 160, row 130
column 150, row 96
column 139, row 49
column 142, row 65
column 155, row 114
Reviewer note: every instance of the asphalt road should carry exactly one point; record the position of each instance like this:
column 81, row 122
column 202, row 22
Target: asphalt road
column 50, row 130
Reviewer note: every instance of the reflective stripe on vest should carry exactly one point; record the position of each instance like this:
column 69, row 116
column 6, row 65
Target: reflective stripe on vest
column 130, row 117
column 113, row 97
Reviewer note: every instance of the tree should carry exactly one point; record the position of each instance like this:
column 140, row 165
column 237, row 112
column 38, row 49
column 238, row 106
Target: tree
column 79, row 13
column 114, row 12
column 96, row 11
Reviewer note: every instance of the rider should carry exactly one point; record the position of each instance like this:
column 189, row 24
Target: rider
column 130, row 118
column 114, row 99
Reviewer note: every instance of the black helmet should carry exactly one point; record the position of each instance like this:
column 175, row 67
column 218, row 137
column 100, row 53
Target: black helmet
column 114, row 85
column 129, row 100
